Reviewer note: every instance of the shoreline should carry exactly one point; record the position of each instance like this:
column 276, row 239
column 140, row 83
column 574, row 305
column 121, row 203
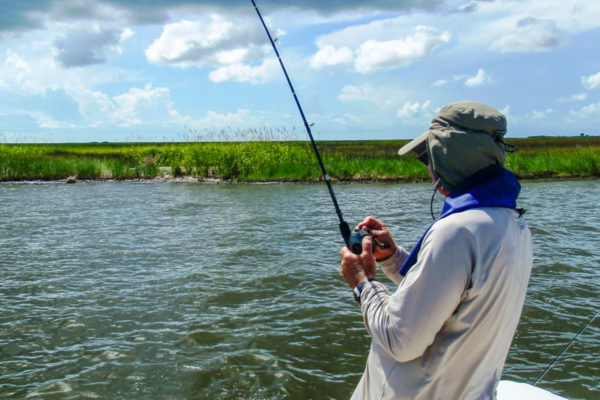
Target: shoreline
column 221, row 181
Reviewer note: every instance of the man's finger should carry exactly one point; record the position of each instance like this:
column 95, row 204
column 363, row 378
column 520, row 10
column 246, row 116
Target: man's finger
column 378, row 232
column 367, row 245
column 345, row 252
column 371, row 223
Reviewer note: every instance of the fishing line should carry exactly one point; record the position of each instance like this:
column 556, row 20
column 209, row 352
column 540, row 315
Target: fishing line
column 344, row 228
column 539, row 378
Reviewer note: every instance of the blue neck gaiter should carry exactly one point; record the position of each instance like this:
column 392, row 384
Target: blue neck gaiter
column 493, row 186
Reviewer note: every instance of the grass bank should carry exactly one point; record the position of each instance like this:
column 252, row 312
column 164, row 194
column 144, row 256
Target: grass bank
column 272, row 160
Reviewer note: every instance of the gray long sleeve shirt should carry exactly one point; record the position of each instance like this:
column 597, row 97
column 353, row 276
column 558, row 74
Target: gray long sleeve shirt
column 446, row 331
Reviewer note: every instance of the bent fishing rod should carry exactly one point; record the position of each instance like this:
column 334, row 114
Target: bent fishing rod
column 353, row 239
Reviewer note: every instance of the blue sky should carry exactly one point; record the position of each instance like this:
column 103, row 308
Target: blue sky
column 109, row 70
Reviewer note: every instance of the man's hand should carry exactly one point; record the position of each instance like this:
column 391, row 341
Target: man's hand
column 358, row 267
column 381, row 233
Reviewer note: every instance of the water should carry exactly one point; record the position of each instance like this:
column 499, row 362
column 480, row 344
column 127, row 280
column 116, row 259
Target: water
column 199, row 291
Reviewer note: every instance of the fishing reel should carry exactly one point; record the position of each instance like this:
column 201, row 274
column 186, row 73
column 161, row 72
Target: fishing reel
column 356, row 238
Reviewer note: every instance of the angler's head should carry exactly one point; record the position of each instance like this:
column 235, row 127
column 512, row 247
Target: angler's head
column 463, row 138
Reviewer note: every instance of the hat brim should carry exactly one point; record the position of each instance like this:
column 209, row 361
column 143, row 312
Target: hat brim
column 417, row 145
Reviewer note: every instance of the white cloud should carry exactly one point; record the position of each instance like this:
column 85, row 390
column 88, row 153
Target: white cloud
column 530, row 35
column 45, row 121
column 246, row 73
column 348, row 119
column 17, row 67
column 348, row 46
column 384, row 97
column 328, row 56
column 232, row 45
column 512, row 118
column 227, row 57
column 439, row 82
column 481, row 78
column 373, row 55
column 414, row 110
column 541, row 114
column 591, row 82
column 241, row 118
column 354, row 93
column 14, row 60
column 575, row 97
column 125, row 35
column 214, row 41
column 591, row 111
column 138, row 106
column 148, row 106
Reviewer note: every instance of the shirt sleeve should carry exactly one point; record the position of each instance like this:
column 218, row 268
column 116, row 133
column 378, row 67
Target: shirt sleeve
column 391, row 265
column 405, row 324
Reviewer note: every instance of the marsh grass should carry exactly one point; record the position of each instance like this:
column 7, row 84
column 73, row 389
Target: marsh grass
column 556, row 162
column 28, row 167
column 268, row 159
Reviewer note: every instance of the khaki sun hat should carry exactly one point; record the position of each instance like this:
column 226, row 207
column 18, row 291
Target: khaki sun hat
column 463, row 138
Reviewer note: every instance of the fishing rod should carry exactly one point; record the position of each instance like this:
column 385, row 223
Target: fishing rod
column 539, row 378
column 353, row 239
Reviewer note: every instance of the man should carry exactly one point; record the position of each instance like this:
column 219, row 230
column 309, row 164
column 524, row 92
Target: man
column 446, row 330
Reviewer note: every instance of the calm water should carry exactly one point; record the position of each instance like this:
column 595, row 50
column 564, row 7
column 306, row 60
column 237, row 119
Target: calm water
column 197, row 291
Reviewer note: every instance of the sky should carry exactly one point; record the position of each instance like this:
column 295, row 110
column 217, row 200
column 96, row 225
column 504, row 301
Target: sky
column 146, row 70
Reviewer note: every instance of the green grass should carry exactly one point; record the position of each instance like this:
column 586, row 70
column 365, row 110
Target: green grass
column 555, row 162
column 271, row 160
